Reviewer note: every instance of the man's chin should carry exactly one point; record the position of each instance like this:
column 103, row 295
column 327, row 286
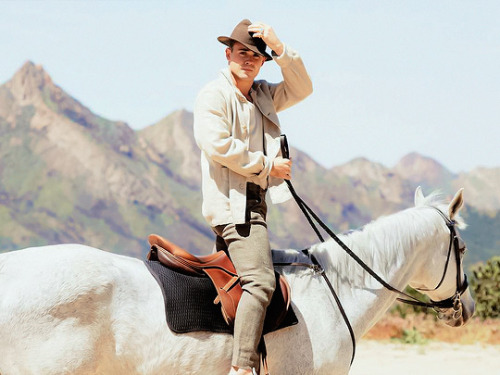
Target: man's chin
column 245, row 76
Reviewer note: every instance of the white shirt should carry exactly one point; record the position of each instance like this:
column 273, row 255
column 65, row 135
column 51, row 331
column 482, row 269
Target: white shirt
column 256, row 137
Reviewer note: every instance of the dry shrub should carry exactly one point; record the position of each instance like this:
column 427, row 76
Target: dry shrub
column 476, row 330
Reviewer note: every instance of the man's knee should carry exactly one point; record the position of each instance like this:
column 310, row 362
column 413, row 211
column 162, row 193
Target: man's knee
column 261, row 285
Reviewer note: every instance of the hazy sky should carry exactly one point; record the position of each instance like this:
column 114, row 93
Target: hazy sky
column 390, row 77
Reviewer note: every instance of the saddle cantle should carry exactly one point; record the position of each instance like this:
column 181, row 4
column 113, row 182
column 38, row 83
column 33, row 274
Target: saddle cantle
column 219, row 268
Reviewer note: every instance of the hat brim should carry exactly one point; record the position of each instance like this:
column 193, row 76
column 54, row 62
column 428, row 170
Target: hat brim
column 227, row 41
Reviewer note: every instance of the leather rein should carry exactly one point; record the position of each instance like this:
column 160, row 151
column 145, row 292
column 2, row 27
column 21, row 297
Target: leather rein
column 452, row 302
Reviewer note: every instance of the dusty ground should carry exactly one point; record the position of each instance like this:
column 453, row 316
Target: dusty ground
column 386, row 358
column 434, row 349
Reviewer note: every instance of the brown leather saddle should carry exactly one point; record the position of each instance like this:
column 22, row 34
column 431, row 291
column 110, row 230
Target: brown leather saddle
column 218, row 267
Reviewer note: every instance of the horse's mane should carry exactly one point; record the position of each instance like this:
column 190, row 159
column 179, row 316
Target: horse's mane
column 382, row 243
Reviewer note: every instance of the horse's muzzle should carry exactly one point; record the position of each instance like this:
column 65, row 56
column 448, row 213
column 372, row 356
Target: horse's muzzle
column 460, row 313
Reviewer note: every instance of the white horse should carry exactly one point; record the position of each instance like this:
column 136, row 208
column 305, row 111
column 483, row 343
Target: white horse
column 72, row 309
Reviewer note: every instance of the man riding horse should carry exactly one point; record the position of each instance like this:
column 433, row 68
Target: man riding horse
column 237, row 130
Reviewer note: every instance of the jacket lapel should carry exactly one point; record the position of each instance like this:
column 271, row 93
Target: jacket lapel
column 265, row 105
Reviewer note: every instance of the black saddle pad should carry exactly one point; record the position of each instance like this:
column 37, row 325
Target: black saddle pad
column 189, row 303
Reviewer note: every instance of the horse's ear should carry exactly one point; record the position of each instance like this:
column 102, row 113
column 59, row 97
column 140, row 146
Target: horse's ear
column 456, row 203
column 419, row 196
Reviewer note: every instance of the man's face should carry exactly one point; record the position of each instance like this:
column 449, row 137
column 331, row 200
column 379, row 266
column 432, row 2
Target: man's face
column 244, row 63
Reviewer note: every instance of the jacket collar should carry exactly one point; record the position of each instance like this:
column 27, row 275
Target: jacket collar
column 260, row 100
column 229, row 77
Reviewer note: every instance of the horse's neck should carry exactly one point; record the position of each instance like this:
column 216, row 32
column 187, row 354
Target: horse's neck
column 390, row 251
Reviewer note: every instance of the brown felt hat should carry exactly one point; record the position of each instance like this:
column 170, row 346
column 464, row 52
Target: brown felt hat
column 240, row 34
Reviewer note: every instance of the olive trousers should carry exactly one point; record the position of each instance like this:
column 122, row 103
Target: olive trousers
column 248, row 247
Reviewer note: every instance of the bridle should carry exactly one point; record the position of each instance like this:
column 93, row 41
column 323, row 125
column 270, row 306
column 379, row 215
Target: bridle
column 459, row 248
column 455, row 243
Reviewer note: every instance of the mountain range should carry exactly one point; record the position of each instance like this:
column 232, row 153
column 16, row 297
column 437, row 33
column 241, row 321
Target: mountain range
column 69, row 175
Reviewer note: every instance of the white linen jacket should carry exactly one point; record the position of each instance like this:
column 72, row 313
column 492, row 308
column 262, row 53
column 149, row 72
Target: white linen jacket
column 221, row 132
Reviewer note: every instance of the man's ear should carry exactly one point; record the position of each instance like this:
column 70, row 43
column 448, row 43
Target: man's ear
column 228, row 54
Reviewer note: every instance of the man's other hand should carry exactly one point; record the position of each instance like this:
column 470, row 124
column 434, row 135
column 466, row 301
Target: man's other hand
column 282, row 168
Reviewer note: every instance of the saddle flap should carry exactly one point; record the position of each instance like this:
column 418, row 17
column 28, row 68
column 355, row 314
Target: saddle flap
column 286, row 291
column 229, row 291
column 277, row 311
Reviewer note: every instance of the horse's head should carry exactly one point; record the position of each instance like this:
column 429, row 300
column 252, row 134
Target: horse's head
column 443, row 278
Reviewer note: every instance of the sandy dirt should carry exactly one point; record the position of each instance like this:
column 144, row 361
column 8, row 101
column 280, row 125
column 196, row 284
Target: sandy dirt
column 439, row 349
column 386, row 358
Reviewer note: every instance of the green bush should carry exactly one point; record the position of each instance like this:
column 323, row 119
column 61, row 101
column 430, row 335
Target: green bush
column 485, row 286
column 412, row 337
column 403, row 309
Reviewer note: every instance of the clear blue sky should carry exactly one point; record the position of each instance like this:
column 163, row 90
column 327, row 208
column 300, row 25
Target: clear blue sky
column 390, row 77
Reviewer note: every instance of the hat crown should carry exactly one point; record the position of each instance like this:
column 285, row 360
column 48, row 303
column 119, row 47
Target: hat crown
column 242, row 35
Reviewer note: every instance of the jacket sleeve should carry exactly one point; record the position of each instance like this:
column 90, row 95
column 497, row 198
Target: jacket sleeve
column 213, row 134
column 296, row 84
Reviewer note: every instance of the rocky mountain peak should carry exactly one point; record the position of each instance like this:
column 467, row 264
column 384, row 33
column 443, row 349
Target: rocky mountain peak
column 414, row 159
column 362, row 168
column 170, row 142
column 29, row 81
column 185, row 117
column 419, row 168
